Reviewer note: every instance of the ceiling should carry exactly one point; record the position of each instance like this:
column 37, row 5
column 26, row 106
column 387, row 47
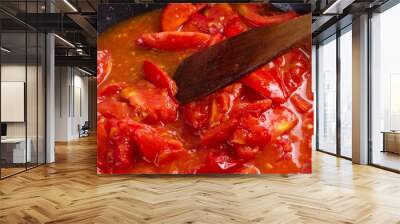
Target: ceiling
column 76, row 20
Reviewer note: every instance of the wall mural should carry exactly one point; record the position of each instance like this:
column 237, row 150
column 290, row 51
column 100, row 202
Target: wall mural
column 257, row 124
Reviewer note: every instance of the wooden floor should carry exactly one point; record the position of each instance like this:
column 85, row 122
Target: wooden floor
column 69, row 191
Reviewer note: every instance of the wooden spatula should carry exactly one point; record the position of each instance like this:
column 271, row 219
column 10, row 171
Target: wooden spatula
column 223, row 63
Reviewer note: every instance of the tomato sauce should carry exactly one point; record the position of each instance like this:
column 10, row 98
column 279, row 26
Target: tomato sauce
column 260, row 124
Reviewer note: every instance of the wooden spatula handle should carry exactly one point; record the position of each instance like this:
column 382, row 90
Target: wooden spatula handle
column 229, row 60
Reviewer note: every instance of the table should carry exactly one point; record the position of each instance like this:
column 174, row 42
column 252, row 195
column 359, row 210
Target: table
column 13, row 150
column 391, row 141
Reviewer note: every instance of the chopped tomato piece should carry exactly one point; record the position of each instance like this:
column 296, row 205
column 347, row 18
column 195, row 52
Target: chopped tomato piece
column 197, row 114
column 112, row 89
column 278, row 121
column 256, row 15
column 300, row 103
column 308, row 124
column 255, row 108
column 151, row 104
column 292, row 68
column 175, row 14
column 213, row 109
column 104, row 65
column 248, row 169
column 172, row 154
column 246, row 152
column 196, row 23
column 222, row 103
column 119, row 146
column 235, row 27
column 219, row 133
column 263, row 81
column 284, row 148
column 174, row 41
column 111, row 107
column 218, row 17
column 218, row 161
column 123, row 155
column 251, row 131
column 158, row 77
column 157, row 146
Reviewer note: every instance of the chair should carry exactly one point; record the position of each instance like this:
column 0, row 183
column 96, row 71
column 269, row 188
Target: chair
column 84, row 130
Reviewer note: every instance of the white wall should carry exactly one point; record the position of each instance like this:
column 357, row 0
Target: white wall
column 71, row 102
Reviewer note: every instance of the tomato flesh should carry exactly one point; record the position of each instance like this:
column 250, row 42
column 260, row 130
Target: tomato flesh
column 150, row 104
column 279, row 120
column 157, row 146
column 263, row 81
column 235, row 27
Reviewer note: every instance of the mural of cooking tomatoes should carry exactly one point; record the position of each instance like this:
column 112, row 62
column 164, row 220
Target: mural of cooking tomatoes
column 260, row 124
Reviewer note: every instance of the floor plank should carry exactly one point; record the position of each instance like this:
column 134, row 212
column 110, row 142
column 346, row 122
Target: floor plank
column 69, row 191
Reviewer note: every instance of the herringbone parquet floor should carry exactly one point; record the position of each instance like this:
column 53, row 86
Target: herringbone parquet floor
column 69, row 191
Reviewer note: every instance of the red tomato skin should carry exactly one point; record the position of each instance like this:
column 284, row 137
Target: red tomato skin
column 196, row 23
column 251, row 14
column 158, row 77
column 235, row 27
column 112, row 108
column 104, row 65
column 263, row 81
column 218, row 16
column 174, row 41
column 176, row 14
column 300, row 103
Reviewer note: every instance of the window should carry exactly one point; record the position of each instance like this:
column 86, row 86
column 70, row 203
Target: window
column 385, row 89
column 327, row 96
column 346, row 92
column 22, row 77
